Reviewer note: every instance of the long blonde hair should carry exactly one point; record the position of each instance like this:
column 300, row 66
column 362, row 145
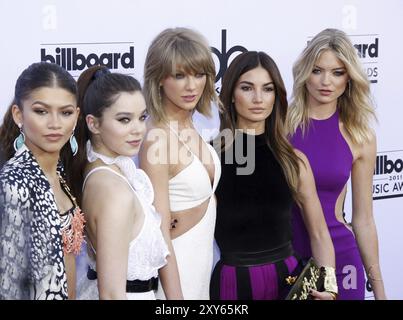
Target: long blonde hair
column 355, row 104
column 172, row 48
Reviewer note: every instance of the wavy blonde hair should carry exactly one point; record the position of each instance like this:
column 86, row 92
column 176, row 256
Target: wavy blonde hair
column 355, row 104
column 173, row 48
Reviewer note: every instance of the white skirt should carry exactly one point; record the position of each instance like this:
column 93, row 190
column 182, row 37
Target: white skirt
column 194, row 255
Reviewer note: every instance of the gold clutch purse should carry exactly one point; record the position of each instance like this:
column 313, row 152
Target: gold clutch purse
column 310, row 278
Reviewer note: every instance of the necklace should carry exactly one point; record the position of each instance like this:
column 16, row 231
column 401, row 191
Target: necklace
column 72, row 226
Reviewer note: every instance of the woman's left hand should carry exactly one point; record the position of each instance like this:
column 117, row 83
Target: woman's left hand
column 316, row 295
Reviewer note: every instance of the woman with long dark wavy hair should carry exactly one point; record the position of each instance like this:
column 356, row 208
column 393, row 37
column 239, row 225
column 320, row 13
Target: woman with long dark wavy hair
column 257, row 189
column 41, row 225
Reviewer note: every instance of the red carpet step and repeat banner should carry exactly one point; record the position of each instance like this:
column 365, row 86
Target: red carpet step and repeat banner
column 78, row 34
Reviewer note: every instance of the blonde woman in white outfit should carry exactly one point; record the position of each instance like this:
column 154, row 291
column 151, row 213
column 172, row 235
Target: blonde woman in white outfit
column 179, row 79
column 125, row 244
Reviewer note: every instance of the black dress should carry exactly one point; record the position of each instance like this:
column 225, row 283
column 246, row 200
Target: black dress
column 253, row 226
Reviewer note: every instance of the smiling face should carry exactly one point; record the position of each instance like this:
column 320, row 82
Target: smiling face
column 121, row 129
column 182, row 91
column 254, row 97
column 327, row 81
column 48, row 117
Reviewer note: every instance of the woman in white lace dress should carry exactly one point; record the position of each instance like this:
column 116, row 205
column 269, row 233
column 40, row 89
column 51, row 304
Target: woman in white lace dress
column 125, row 244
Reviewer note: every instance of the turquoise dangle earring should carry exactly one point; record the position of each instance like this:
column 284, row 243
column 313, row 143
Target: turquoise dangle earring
column 73, row 144
column 20, row 140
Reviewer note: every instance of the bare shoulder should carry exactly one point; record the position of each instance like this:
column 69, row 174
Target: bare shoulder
column 154, row 150
column 359, row 150
column 367, row 149
column 106, row 186
column 156, row 135
column 300, row 155
column 371, row 142
column 305, row 170
column 109, row 202
column 302, row 159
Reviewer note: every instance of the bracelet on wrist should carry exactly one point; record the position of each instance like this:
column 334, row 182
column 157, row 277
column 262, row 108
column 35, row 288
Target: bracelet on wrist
column 330, row 282
column 370, row 273
column 334, row 295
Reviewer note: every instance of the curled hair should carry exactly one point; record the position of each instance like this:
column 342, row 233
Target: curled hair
column 178, row 48
column 355, row 104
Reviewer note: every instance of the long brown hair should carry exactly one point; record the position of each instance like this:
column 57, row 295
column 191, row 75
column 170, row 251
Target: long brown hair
column 274, row 124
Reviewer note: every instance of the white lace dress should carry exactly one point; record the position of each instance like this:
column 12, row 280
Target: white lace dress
column 148, row 251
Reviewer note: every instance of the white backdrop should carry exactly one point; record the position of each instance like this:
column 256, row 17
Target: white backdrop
column 36, row 29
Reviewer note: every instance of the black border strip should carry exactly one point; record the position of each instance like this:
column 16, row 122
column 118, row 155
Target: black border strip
column 388, row 197
column 389, row 151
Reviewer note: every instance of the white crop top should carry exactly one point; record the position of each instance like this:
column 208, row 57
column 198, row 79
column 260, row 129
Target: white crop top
column 192, row 186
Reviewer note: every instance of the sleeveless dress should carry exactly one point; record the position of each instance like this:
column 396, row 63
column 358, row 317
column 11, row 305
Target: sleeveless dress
column 148, row 250
column 253, row 227
column 331, row 160
column 194, row 249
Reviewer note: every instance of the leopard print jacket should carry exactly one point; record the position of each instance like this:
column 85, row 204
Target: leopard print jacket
column 31, row 251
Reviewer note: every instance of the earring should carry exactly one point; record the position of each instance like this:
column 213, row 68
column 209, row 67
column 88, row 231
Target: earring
column 349, row 88
column 73, row 144
column 20, row 140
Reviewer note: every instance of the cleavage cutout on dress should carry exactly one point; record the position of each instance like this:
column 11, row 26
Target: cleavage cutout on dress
column 194, row 157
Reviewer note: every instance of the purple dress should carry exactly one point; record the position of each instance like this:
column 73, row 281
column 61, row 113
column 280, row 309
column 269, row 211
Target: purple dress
column 331, row 160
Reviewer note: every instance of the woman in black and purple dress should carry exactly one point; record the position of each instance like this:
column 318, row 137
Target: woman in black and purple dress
column 261, row 177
